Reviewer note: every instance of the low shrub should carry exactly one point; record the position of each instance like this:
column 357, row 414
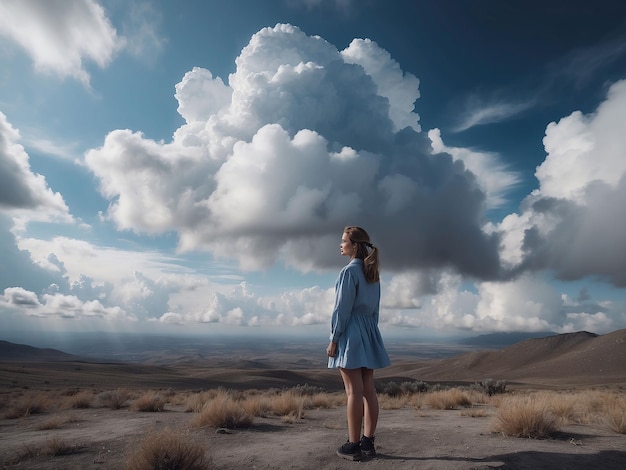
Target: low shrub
column 113, row 399
column 491, row 387
column 394, row 389
column 414, row 387
column 307, row 390
column 390, row 388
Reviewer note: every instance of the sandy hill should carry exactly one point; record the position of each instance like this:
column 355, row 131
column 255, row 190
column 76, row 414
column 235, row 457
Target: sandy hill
column 572, row 358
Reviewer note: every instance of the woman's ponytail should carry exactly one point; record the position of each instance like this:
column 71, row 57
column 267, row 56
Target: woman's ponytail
column 366, row 251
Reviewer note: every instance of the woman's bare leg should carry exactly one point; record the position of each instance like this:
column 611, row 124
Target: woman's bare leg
column 370, row 403
column 353, row 383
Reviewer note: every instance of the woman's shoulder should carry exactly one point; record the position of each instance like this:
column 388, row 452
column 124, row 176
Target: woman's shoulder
column 354, row 268
column 354, row 265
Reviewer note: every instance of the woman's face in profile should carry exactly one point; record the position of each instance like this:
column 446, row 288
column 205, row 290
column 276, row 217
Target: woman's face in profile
column 347, row 247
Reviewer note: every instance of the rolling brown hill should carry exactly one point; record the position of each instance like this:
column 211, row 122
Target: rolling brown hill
column 580, row 358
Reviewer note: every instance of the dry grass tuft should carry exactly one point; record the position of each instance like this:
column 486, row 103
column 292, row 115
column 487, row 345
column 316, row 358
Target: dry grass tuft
column 595, row 404
column 566, row 406
column 288, row 403
column 325, row 400
column 585, row 407
column 388, row 402
column 257, row 405
column 614, row 415
column 222, row 412
column 417, row 401
column 149, row 401
column 28, row 404
column 526, row 416
column 19, row 455
column 56, row 446
column 290, row 418
column 56, row 422
column 475, row 412
column 195, row 402
column 451, row 399
column 177, row 398
column 478, row 397
column 80, row 400
column 168, row 450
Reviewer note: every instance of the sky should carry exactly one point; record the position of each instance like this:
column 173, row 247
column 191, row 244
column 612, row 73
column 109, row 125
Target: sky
column 188, row 167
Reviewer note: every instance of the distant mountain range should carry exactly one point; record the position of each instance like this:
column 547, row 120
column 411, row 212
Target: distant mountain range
column 503, row 339
column 22, row 352
column 552, row 360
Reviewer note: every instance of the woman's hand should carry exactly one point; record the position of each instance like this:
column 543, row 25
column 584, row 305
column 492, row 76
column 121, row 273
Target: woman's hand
column 331, row 350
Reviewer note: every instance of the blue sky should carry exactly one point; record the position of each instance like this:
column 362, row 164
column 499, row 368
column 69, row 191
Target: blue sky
column 188, row 167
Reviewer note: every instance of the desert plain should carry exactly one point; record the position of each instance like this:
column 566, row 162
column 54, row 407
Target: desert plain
column 577, row 378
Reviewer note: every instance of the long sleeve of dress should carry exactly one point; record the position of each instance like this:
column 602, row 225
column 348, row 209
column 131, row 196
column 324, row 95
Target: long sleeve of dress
column 345, row 293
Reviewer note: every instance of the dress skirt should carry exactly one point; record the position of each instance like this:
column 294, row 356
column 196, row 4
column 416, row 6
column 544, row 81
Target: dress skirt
column 361, row 345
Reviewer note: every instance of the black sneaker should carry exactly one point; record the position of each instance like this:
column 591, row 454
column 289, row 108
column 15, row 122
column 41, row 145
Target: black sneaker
column 367, row 446
column 350, row 451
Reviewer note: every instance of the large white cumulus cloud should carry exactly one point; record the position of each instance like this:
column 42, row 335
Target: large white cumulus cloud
column 303, row 140
column 574, row 223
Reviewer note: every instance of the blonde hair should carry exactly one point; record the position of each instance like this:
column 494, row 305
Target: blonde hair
column 366, row 251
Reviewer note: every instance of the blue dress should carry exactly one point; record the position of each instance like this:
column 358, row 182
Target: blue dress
column 354, row 324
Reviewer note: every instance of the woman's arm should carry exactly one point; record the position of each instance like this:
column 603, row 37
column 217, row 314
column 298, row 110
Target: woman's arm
column 345, row 293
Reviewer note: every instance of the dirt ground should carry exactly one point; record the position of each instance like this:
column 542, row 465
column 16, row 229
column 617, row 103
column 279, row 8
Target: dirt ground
column 406, row 439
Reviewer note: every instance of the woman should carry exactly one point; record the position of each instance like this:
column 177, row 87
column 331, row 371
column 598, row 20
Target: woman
column 356, row 347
